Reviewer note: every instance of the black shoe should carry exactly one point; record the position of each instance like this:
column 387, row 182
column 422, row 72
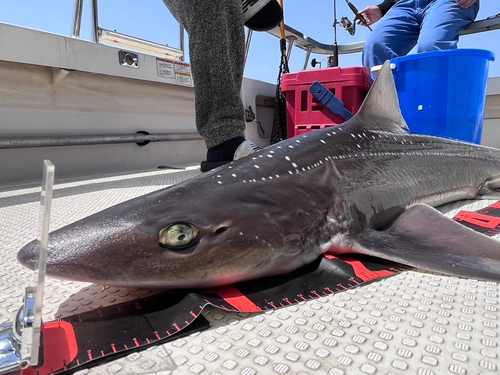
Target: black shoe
column 245, row 148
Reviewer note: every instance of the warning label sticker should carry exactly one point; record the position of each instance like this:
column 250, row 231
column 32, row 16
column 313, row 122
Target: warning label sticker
column 182, row 67
column 177, row 71
column 183, row 79
column 165, row 68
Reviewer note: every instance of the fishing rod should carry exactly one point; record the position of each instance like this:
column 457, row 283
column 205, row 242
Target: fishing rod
column 334, row 59
column 347, row 25
column 358, row 17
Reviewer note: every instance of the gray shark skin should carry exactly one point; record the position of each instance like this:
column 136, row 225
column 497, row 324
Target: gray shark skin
column 367, row 186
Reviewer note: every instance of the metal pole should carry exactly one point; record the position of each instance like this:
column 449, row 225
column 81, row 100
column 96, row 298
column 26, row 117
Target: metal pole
column 82, row 140
column 308, row 55
column 77, row 19
column 290, row 46
column 247, row 45
column 95, row 21
column 181, row 43
column 335, row 61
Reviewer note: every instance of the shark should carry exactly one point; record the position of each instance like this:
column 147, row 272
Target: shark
column 368, row 186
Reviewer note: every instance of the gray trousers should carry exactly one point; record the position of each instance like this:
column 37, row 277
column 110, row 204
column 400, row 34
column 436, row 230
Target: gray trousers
column 216, row 48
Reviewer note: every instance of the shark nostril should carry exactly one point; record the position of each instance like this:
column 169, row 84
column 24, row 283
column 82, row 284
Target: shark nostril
column 221, row 230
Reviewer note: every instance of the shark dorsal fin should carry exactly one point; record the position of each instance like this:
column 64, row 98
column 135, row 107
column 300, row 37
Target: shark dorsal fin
column 380, row 110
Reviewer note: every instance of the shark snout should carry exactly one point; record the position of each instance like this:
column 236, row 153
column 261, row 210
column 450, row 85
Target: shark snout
column 29, row 254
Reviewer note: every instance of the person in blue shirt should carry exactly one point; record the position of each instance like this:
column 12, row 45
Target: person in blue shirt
column 401, row 25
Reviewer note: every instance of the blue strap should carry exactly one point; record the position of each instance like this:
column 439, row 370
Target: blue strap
column 330, row 101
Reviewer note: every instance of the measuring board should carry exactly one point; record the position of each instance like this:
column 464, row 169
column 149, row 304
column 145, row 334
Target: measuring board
column 105, row 333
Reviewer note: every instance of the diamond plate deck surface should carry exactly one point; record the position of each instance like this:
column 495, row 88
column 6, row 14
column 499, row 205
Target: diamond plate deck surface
column 413, row 323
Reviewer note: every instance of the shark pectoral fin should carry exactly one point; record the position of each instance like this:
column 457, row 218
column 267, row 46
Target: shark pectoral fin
column 423, row 237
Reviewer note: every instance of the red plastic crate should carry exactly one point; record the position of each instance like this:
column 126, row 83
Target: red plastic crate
column 305, row 113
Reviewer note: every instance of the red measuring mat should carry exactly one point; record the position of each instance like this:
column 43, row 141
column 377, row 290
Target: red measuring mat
column 106, row 333
column 485, row 220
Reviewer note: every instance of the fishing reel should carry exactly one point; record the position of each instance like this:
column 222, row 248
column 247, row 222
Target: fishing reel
column 347, row 25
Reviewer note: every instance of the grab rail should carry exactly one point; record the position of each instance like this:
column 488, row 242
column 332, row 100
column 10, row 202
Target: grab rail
column 83, row 140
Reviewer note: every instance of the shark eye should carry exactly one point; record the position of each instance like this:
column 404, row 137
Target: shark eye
column 178, row 236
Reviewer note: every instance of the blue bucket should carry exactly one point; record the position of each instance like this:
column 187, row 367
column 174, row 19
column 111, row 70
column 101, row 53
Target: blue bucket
column 443, row 93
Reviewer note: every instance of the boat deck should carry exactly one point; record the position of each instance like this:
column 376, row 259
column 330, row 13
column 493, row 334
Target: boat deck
column 413, row 323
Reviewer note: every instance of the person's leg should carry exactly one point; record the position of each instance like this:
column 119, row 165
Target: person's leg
column 393, row 36
column 216, row 48
column 443, row 22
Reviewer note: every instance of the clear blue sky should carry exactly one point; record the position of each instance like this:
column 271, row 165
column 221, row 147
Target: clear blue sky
column 150, row 19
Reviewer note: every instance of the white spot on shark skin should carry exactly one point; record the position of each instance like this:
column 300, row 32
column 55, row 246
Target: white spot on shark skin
column 290, row 146
column 219, row 182
column 278, row 147
column 303, row 169
column 290, row 172
column 328, row 134
column 254, row 158
column 358, row 146
column 270, row 177
column 263, row 179
column 244, row 181
column 294, row 165
column 322, row 141
column 277, row 176
column 269, row 156
column 352, row 135
column 297, row 141
column 304, row 136
column 287, row 158
column 233, row 175
column 271, row 152
column 218, row 176
column 260, row 156
column 256, row 166
column 241, row 233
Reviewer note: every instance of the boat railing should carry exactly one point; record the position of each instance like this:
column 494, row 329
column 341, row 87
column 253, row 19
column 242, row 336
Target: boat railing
column 293, row 37
column 99, row 35
column 310, row 45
